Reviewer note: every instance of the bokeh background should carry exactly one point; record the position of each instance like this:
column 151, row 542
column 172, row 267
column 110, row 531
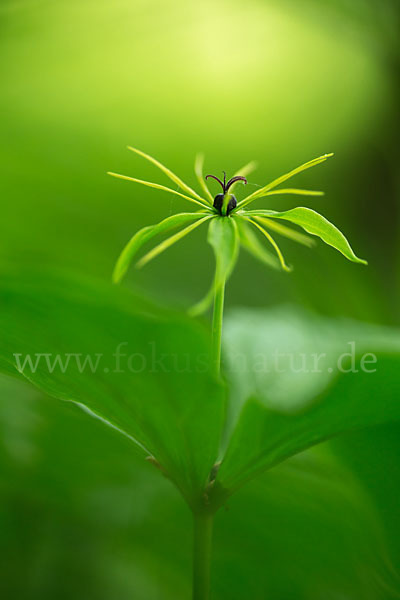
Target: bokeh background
column 276, row 81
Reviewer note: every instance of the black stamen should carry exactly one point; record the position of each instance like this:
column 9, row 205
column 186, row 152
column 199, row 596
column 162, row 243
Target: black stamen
column 231, row 181
column 219, row 181
column 221, row 199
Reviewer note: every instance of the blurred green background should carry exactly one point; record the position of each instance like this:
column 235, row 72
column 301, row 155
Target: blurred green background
column 278, row 82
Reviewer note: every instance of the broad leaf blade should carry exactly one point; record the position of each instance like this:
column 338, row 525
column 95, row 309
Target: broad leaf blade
column 316, row 224
column 315, row 515
column 290, row 389
column 144, row 235
column 159, row 392
column 313, row 493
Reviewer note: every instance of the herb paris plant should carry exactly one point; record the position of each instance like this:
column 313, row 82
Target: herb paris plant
column 236, row 231
column 231, row 226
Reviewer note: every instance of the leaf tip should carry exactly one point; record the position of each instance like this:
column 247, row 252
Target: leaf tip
column 117, row 274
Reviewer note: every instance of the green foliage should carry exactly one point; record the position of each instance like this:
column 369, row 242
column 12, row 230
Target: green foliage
column 223, row 237
column 161, row 395
column 226, row 237
column 92, row 502
column 174, row 409
column 156, row 186
column 144, row 235
column 315, row 224
column 249, row 241
column 297, row 380
column 273, row 243
column 177, row 180
column 81, row 516
column 267, row 188
column 171, row 240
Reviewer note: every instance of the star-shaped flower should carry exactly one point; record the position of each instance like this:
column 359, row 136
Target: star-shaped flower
column 231, row 224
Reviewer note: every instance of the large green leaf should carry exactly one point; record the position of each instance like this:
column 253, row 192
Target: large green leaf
column 161, row 394
column 316, row 224
column 309, row 531
column 296, row 380
column 58, row 498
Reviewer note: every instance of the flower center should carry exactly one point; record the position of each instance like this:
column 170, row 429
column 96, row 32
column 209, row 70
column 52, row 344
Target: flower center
column 225, row 202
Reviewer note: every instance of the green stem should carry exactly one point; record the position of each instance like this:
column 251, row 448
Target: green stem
column 203, row 521
column 202, row 541
column 217, row 326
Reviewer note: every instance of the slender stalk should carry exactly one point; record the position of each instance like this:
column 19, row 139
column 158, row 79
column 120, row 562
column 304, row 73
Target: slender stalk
column 217, row 326
column 203, row 521
column 202, row 541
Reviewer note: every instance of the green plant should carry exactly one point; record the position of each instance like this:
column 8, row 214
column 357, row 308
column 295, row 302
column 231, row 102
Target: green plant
column 229, row 229
column 208, row 434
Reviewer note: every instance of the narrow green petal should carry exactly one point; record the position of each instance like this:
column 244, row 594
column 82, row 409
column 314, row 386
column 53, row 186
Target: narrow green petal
column 157, row 186
column 291, row 234
column 316, row 224
column 198, row 169
column 144, row 235
column 269, row 237
column 295, row 191
column 262, row 191
column 250, row 242
column 247, row 169
column 168, row 173
column 170, row 241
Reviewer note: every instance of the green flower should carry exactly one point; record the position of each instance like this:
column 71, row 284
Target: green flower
column 231, row 224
